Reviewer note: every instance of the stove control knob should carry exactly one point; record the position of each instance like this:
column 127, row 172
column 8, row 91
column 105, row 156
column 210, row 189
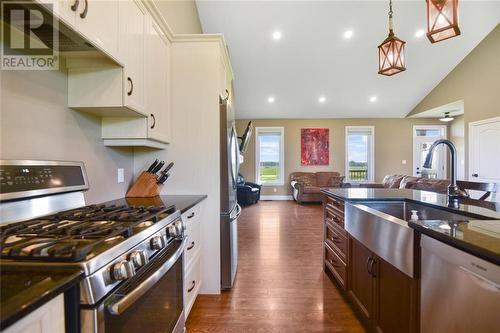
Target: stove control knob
column 121, row 270
column 138, row 259
column 157, row 243
column 172, row 231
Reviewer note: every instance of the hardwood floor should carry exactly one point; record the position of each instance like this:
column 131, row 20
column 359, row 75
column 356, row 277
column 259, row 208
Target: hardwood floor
column 280, row 285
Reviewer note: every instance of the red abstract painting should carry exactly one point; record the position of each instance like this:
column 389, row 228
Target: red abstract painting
column 314, row 146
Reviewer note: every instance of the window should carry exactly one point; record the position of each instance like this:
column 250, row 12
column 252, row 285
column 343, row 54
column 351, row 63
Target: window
column 359, row 153
column 269, row 156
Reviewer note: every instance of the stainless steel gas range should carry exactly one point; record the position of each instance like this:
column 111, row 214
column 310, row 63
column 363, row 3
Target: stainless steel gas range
column 129, row 250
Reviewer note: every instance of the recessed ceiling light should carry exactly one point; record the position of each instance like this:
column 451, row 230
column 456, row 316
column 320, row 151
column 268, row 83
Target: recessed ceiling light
column 373, row 99
column 270, row 99
column 419, row 33
column 322, row 99
column 348, row 34
column 277, row 35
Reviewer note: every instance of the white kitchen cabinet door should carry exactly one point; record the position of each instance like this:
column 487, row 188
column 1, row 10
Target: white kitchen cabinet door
column 157, row 83
column 132, row 45
column 97, row 20
column 48, row 318
column 66, row 10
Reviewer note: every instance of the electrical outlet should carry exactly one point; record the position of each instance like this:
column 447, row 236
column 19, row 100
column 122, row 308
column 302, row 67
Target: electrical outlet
column 403, row 162
column 121, row 175
column 275, row 189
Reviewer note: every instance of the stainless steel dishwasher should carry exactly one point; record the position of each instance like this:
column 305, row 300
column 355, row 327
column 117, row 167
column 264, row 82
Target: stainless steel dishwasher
column 459, row 292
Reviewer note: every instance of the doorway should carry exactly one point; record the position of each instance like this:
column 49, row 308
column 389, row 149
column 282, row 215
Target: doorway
column 423, row 137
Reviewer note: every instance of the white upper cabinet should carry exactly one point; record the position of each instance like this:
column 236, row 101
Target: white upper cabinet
column 158, row 83
column 97, row 20
column 153, row 131
column 132, row 45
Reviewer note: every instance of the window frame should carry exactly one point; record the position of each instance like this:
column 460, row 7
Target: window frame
column 258, row 131
column 371, row 157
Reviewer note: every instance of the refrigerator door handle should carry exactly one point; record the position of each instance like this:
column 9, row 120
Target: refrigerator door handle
column 238, row 212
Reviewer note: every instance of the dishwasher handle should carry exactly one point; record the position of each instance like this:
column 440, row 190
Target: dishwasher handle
column 481, row 280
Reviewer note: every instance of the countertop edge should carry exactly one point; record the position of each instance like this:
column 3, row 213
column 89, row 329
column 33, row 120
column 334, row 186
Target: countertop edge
column 458, row 244
column 200, row 198
column 40, row 300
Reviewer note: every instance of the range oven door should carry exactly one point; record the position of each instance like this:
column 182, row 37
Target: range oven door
column 152, row 301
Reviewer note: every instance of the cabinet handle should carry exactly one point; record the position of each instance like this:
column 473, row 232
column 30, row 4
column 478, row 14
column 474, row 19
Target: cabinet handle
column 74, row 7
column 131, row 86
column 154, row 121
column 190, row 246
column 475, row 175
column 191, row 215
column 85, row 9
column 368, row 265
column 193, row 284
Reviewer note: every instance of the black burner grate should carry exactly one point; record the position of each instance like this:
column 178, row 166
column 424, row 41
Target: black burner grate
column 76, row 234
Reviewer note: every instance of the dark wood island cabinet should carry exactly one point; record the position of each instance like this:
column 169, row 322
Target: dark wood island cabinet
column 384, row 298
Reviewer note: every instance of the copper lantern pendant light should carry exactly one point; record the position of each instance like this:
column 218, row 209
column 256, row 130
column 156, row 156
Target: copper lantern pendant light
column 391, row 53
column 442, row 20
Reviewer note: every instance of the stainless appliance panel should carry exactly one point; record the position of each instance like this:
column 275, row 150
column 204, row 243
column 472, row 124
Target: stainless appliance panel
column 31, row 189
column 229, row 247
column 149, row 302
column 389, row 237
column 459, row 292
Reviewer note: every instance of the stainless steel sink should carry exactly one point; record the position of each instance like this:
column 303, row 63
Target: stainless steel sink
column 383, row 228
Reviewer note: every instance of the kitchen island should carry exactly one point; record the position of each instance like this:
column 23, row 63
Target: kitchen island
column 372, row 247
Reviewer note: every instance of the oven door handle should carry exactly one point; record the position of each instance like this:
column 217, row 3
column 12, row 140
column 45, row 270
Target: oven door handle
column 123, row 304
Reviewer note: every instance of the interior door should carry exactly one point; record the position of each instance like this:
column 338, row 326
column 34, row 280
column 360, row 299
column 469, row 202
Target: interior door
column 484, row 153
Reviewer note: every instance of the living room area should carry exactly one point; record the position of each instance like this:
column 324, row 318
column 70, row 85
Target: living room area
column 284, row 155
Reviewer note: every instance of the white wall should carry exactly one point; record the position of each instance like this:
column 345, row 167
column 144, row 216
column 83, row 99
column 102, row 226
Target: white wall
column 37, row 124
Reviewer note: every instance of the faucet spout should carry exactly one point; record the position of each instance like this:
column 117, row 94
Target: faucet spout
column 454, row 192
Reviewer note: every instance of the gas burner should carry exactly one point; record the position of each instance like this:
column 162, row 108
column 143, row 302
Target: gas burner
column 76, row 234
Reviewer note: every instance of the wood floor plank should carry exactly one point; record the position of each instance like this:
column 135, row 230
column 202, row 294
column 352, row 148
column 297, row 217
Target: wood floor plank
column 280, row 285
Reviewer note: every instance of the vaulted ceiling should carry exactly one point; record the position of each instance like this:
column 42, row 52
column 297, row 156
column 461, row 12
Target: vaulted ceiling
column 313, row 59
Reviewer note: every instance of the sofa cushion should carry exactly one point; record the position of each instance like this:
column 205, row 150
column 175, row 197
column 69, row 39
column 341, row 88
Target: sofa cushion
column 433, row 185
column 312, row 190
column 406, row 180
column 335, row 181
column 323, row 178
column 305, row 179
column 392, row 181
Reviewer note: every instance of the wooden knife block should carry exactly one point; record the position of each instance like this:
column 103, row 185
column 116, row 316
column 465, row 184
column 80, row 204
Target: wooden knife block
column 145, row 186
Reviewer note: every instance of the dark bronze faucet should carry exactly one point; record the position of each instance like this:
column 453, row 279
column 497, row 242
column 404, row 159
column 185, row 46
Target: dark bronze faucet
column 454, row 192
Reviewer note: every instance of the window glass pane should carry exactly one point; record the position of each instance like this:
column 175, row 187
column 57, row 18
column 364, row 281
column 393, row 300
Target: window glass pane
column 430, row 132
column 359, row 154
column 269, row 157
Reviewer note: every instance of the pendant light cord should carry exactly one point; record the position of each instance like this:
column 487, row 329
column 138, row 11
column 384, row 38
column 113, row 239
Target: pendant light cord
column 390, row 17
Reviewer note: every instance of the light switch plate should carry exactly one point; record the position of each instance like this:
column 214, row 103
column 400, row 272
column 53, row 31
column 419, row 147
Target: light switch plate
column 403, row 162
column 120, row 175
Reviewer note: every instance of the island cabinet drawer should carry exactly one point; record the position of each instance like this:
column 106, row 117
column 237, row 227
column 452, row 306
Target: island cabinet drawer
column 336, row 266
column 333, row 218
column 337, row 206
column 336, row 239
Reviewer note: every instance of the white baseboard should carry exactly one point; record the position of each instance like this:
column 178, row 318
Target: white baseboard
column 275, row 197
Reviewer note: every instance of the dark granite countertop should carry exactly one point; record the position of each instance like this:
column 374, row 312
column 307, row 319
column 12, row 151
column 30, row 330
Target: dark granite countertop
column 181, row 202
column 478, row 234
column 24, row 289
column 477, row 237
column 468, row 207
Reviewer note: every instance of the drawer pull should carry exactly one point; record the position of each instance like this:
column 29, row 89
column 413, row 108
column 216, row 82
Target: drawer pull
column 190, row 246
column 191, row 215
column 129, row 93
column 193, row 284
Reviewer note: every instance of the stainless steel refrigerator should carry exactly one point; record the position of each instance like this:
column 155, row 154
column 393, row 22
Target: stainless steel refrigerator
column 229, row 208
